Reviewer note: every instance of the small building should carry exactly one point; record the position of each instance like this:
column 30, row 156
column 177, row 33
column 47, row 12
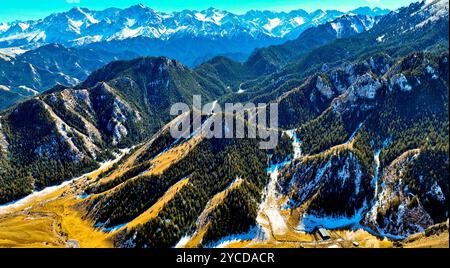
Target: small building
column 323, row 234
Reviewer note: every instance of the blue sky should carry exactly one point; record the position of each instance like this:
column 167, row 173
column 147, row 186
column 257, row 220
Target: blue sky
column 33, row 9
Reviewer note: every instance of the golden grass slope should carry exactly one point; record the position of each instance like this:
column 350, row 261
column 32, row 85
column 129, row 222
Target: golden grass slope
column 154, row 210
column 20, row 230
column 435, row 236
column 52, row 218
column 56, row 223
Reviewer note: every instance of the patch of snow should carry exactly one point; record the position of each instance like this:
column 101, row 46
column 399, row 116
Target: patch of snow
column 311, row 221
column 430, row 70
column 272, row 24
column 201, row 17
column 343, row 174
column 4, row 145
column 401, row 82
column 296, row 143
column 119, row 132
column 171, row 31
column 40, row 36
column 130, row 22
column 240, row 91
column 12, row 51
column 337, row 28
column 87, row 40
column 76, row 23
column 4, row 27
column 376, row 160
column 114, row 228
column 217, row 17
column 436, row 191
column 29, row 90
column 33, row 70
column 380, row 38
column 225, row 241
column 376, row 176
column 299, row 20
column 127, row 33
column 83, row 196
column 88, row 16
column 358, row 174
column 6, row 57
column 23, row 26
column 183, row 241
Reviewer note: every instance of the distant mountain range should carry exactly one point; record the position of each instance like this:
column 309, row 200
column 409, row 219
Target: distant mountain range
column 40, row 69
column 189, row 36
column 81, row 26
